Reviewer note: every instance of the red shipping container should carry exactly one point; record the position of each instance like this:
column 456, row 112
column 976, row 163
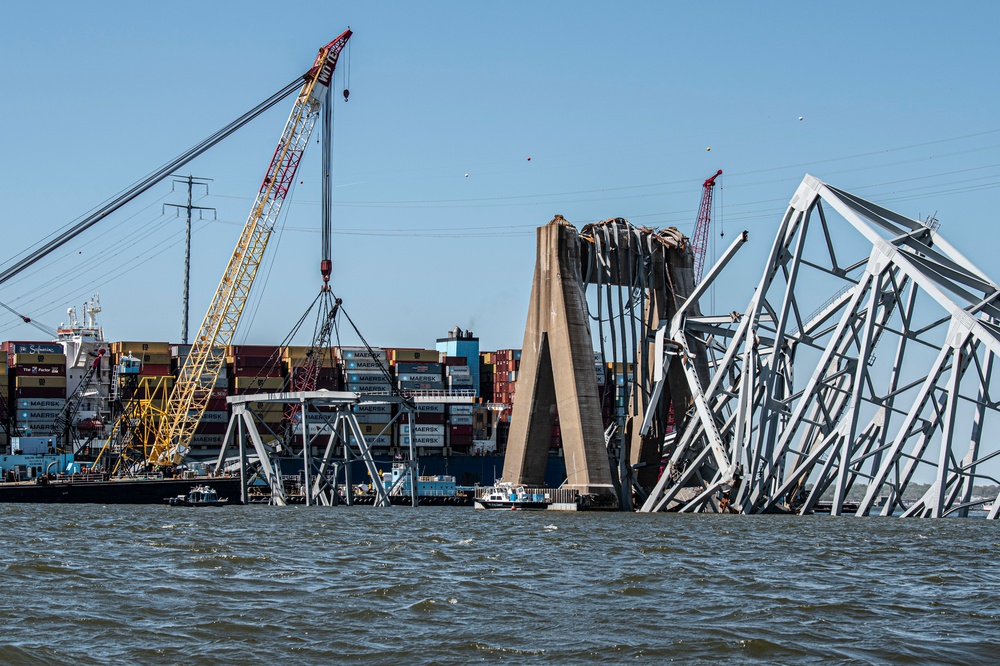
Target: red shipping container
column 461, row 440
column 255, row 371
column 455, row 360
column 210, row 429
column 461, row 430
column 155, row 370
column 216, row 405
column 424, row 417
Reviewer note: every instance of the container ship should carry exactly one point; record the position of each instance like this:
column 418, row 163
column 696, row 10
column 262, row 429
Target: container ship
column 64, row 395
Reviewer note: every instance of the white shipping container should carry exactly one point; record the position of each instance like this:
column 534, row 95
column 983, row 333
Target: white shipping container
column 420, row 377
column 358, row 353
column 381, row 440
column 40, row 403
column 215, row 417
column 365, row 377
column 422, row 440
column 207, row 440
column 598, row 358
column 373, row 418
column 455, row 370
column 465, row 410
column 378, row 389
column 374, row 408
column 423, row 429
column 366, row 364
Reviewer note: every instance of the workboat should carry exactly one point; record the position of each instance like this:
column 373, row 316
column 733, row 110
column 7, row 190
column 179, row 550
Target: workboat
column 511, row 497
column 198, row 496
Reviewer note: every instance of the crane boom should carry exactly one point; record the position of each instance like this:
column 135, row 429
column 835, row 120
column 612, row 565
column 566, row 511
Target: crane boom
column 699, row 242
column 197, row 377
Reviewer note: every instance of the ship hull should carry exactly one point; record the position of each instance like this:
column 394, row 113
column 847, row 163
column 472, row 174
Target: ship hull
column 134, row 491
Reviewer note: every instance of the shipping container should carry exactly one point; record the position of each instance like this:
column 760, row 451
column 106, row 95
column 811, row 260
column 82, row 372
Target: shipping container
column 430, row 407
column 465, row 410
column 365, row 377
column 430, row 441
column 18, row 360
column 136, row 348
column 39, row 392
column 41, row 403
column 424, row 417
column 373, row 408
column 462, row 381
column 422, row 429
column 214, row 417
column 358, row 353
column 421, row 386
column 419, row 368
column 415, row 355
column 273, row 370
column 27, row 347
column 460, row 430
column 268, row 384
column 458, row 370
column 383, row 441
column 265, row 351
column 461, row 419
column 455, row 360
column 149, row 370
column 40, row 382
column 382, row 388
column 40, row 370
column 419, row 377
column 207, row 440
column 363, row 364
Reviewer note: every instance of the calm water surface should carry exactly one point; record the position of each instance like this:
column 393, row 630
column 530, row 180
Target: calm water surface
column 92, row 584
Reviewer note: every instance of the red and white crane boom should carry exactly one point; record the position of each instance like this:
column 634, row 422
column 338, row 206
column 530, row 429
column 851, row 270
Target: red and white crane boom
column 197, row 377
column 699, row 241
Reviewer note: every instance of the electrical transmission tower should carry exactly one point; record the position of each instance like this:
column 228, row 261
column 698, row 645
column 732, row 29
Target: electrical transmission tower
column 190, row 181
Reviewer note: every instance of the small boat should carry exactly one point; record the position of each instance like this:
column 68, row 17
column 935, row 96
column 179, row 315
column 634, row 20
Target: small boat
column 510, row 497
column 198, row 496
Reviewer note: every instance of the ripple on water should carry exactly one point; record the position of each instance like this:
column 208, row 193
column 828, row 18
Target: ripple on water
column 136, row 585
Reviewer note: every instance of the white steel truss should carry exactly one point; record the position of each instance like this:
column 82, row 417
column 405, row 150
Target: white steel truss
column 333, row 412
column 860, row 371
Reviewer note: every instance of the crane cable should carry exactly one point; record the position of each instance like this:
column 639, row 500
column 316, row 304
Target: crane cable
column 143, row 185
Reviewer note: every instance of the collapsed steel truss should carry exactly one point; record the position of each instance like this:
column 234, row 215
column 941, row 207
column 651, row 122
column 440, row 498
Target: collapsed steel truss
column 864, row 361
column 337, row 432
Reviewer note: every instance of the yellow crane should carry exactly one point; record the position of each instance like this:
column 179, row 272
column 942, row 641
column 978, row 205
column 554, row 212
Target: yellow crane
column 197, row 377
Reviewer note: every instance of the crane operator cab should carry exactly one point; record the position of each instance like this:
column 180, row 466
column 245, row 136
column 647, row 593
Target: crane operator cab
column 129, row 365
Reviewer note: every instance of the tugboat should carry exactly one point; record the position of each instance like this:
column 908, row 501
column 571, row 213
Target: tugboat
column 510, row 497
column 198, row 496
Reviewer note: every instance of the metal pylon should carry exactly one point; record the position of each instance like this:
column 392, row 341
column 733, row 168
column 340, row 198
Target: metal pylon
column 858, row 379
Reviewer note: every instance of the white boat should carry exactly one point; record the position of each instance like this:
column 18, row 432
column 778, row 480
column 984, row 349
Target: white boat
column 198, row 496
column 511, row 497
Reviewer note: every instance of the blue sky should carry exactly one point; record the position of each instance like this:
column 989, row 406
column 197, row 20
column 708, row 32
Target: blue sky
column 616, row 105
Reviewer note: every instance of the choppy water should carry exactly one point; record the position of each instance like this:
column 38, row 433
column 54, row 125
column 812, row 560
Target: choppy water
column 90, row 584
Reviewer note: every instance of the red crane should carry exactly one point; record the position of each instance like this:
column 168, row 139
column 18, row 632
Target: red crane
column 699, row 242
